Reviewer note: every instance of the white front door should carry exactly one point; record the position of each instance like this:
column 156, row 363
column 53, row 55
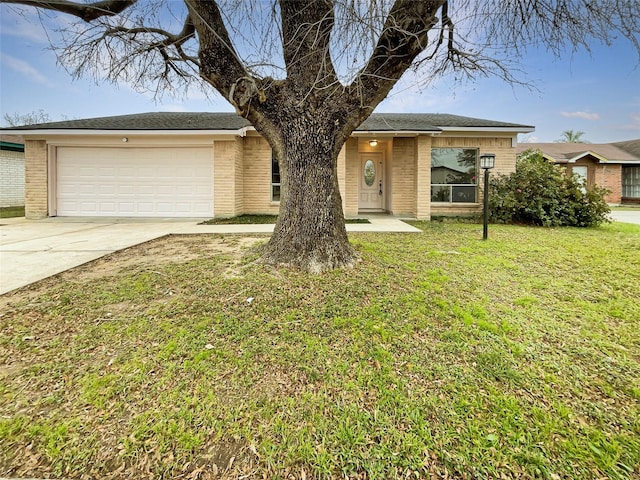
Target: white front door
column 371, row 182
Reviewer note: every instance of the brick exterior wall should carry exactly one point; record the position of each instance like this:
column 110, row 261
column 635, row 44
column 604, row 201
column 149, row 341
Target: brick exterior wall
column 352, row 177
column 610, row 177
column 604, row 175
column 11, row 178
column 36, row 182
column 238, row 154
column 403, row 177
column 423, row 177
column 257, row 177
column 227, row 191
column 342, row 175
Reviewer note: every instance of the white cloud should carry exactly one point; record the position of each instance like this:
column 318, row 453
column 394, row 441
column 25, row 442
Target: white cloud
column 583, row 115
column 24, row 24
column 634, row 123
column 25, row 69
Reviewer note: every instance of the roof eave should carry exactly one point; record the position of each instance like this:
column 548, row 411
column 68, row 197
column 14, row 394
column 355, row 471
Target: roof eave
column 514, row 129
column 394, row 133
column 102, row 132
column 588, row 153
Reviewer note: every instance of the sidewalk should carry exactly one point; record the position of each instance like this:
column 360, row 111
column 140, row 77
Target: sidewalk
column 626, row 216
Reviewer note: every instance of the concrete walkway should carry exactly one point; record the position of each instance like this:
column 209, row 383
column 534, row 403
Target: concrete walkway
column 31, row 250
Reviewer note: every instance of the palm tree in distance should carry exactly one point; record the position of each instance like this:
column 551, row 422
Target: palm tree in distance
column 569, row 136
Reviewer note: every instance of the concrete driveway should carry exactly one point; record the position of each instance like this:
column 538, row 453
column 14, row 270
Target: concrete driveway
column 31, row 250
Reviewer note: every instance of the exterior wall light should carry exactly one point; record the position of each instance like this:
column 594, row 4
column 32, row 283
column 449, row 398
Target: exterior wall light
column 125, row 139
column 373, row 143
column 487, row 162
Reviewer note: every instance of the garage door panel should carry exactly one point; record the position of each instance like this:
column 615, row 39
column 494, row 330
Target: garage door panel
column 134, row 182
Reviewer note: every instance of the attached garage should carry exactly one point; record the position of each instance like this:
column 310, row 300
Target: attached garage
column 134, row 182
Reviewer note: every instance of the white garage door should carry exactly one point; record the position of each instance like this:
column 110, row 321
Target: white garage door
column 134, row 182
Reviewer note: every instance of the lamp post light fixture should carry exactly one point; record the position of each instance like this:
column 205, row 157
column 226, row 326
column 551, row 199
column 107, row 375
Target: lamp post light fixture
column 487, row 162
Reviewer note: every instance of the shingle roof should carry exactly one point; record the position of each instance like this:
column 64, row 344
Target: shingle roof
column 630, row 146
column 149, row 121
column 377, row 122
column 428, row 122
column 567, row 152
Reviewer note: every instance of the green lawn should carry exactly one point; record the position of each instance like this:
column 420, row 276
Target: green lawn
column 8, row 212
column 439, row 355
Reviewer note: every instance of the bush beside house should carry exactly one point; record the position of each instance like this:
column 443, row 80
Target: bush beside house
column 540, row 193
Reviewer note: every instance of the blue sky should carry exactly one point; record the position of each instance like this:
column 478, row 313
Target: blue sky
column 597, row 93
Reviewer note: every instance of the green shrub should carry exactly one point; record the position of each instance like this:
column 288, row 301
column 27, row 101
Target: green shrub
column 540, row 193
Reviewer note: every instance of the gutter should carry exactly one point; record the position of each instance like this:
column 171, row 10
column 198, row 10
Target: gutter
column 515, row 129
column 392, row 133
column 69, row 131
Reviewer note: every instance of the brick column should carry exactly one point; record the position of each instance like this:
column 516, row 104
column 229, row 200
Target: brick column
column 423, row 177
column 225, row 163
column 36, row 197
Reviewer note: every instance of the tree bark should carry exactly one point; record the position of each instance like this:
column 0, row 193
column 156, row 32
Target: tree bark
column 310, row 233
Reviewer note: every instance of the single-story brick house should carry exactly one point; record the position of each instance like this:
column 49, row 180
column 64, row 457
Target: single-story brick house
column 215, row 164
column 11, row 171
column 614, row 166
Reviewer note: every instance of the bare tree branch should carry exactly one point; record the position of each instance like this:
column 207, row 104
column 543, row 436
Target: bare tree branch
column 170, row 40
column 306, row 31
column 404, row 37
column 219, row 62
column 87, row 12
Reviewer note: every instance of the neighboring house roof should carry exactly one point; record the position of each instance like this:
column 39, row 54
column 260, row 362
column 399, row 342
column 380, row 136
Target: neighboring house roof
column 229, row 122
column 572, row 152
column 630, row 146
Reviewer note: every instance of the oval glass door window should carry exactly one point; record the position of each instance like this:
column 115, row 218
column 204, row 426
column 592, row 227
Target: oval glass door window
column 369, row 172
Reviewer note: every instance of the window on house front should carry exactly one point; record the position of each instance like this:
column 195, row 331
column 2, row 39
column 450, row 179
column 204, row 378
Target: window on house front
column 630, row 181
column 275, row 178
column 581, row 172
column 454, row 177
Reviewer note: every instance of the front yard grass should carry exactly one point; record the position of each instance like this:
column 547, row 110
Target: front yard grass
column 10, row 212
column 438, row 356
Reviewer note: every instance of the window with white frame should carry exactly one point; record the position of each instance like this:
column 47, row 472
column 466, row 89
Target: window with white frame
column 454, row 175
column 275, row 178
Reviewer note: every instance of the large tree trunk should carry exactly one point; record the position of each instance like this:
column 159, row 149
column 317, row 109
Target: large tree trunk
column 308, row 116
column 310, row 233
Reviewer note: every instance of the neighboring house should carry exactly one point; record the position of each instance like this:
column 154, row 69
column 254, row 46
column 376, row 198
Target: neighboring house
column 614, row 166
column 11, row 171
column 215, row 164
column 630, row 172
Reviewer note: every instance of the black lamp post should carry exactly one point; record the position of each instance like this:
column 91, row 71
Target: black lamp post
column 487, row 161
